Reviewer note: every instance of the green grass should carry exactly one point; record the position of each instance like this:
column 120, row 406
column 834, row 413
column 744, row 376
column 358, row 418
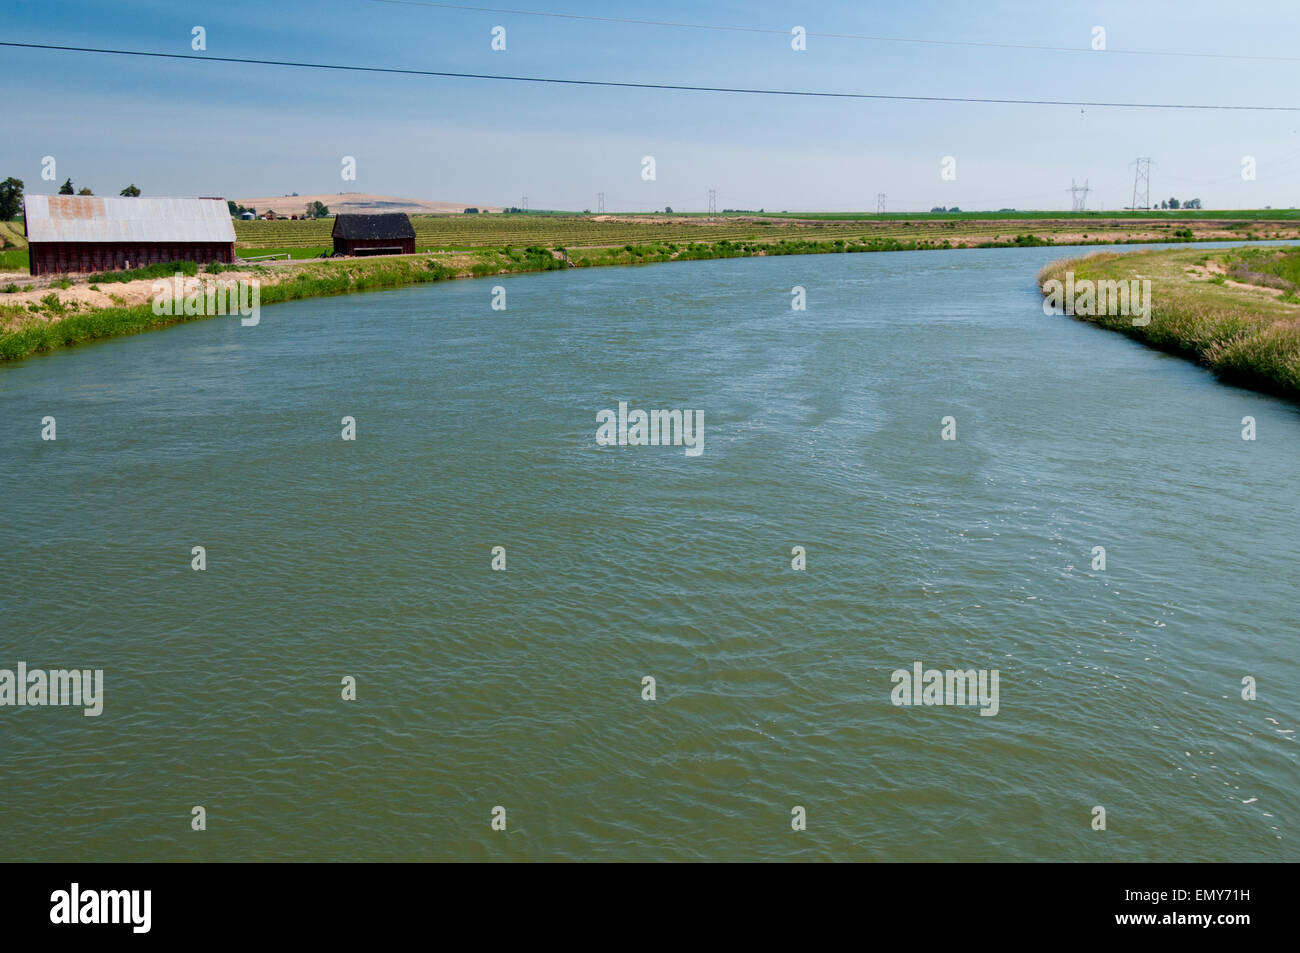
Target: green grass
column 13, row 259
column 161, row 270
column 294, row 252
column 1246, row 336
column 1254, row 264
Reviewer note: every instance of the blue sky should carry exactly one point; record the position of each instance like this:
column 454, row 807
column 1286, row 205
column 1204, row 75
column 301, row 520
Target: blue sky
column 188, row 128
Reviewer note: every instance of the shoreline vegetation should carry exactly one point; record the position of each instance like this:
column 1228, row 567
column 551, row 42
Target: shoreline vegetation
column 38, row 315
column 1235, row 311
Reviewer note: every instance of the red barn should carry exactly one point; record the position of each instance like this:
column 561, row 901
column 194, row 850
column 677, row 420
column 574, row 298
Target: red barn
column 67, row 233
column 385, row 233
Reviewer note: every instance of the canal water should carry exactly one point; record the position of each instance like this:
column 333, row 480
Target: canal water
column 525, row 688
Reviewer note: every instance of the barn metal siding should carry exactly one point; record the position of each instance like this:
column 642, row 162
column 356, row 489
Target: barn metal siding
column 89, row 218
column 392, row 246
column 79, row 233
column 48, row 258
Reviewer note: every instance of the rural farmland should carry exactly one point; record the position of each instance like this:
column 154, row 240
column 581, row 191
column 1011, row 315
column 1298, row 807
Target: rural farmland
column 607, row 434
column 578, row 231
column 311, row 238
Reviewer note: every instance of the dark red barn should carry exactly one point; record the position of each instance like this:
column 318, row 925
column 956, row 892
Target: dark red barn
column 384, row 233
column 67, row 233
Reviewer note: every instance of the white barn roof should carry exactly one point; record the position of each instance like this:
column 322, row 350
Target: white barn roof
column 90, row 218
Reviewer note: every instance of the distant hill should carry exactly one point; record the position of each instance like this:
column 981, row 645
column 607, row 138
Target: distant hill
column 358, row 202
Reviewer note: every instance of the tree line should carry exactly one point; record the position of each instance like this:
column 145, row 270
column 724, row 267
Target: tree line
column 131, row 191
column 11, row 195
column 11, row 199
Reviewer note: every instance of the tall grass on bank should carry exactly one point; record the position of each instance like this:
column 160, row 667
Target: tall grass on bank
column 33, row 336
column 1245, row 337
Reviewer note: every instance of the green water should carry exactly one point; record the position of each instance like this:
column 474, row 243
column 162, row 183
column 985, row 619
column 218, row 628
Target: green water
column 523, row 688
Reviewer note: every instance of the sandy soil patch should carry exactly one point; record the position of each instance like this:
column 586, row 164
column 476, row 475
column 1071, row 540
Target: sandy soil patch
column 1212, row 269
column 116, row 294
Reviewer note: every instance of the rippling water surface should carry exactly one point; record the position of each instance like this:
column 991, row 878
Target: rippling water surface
column 1119, row 688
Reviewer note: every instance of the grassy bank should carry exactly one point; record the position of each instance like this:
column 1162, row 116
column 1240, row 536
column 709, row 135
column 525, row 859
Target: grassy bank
column 74, row 309
column 1236, row 310
column 56, row 322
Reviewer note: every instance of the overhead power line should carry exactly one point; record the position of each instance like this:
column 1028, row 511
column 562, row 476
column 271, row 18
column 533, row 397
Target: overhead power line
column 624, row 85
column 834, row 36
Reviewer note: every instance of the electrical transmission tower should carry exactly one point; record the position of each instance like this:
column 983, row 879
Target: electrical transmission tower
column 525, row 206
column 600, row 202
column 1079, row 196
column 880, row 203
column 713, row 201
column 1141, row 182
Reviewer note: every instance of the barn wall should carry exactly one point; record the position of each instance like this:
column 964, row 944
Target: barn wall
column 353, row 246
column 47, row 258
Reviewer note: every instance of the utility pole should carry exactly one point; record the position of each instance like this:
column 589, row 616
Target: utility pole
column 600, row 202
column 880, row 203
column 713, row 201
column 1079, row 196
column 1141, row 182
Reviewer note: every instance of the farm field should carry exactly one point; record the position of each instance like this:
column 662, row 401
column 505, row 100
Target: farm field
column 13, row 246
column 12, row 235
column 1166, row 215
column 578, row 231
column 302, row 239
